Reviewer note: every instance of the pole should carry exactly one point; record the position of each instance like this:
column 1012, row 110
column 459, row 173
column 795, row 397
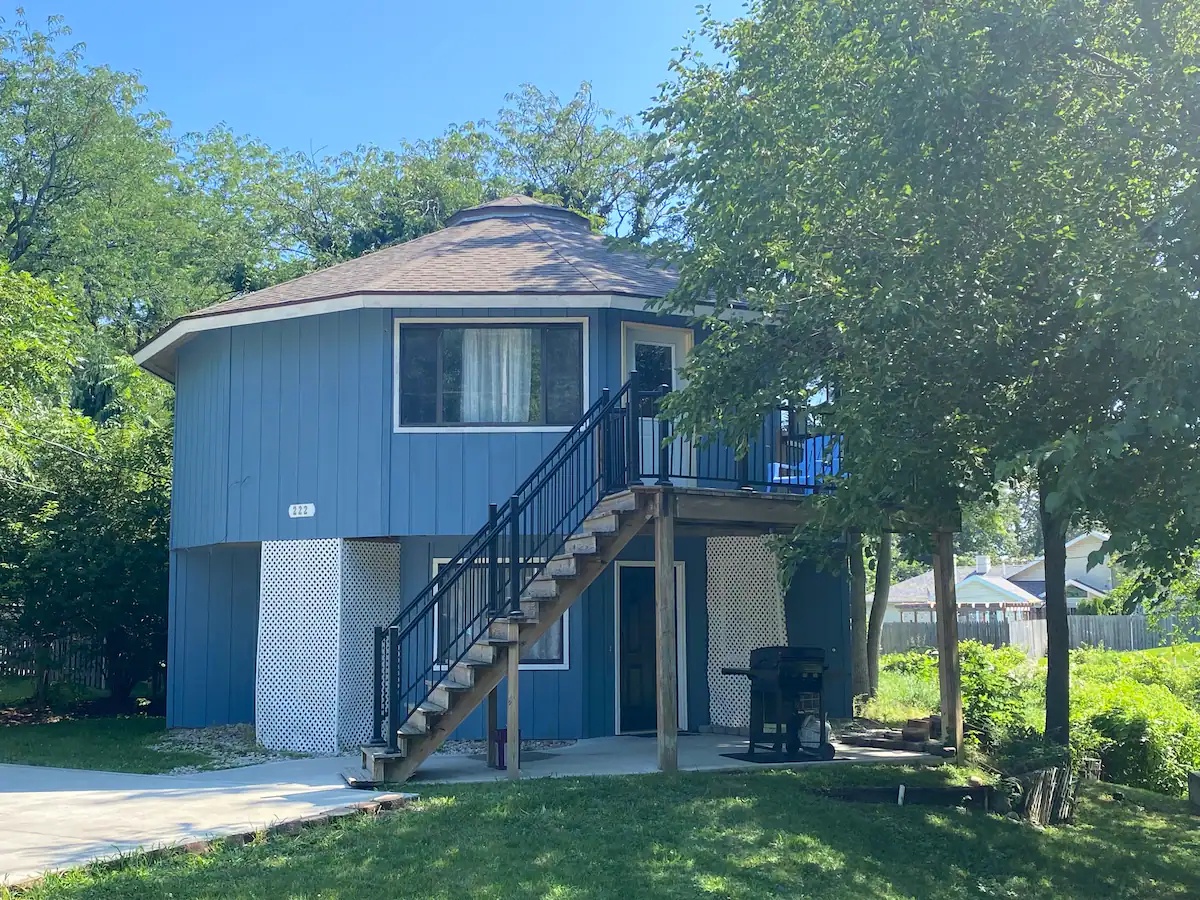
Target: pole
column 633, row 432
column 377, row 706
column 667, row 697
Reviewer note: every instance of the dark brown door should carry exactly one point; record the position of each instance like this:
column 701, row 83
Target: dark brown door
column 636, row 651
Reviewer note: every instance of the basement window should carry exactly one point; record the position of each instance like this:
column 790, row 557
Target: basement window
column 453, row 616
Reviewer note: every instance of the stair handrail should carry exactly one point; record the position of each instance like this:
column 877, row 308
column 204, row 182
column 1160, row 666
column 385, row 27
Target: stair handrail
column 533, row 525
column 563, row 446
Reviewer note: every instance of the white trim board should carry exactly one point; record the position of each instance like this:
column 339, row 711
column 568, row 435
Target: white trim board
column 182, row 329
column 450, row 322
column 439, row 561
column 680, row 638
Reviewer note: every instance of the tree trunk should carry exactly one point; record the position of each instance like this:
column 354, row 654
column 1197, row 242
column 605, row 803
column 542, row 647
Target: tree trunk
column 860, row 680
column 118, row 671
column 1058, row 635
column 883, row 584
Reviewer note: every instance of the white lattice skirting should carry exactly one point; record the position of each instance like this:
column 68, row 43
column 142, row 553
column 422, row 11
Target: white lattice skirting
column 745, row 611
column 319, row 603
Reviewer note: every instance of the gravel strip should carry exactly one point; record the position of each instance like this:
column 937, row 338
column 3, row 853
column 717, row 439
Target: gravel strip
column 471, row 748
column 228, row 746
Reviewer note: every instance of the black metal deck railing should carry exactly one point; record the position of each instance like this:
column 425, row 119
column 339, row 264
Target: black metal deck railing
column 618, row 443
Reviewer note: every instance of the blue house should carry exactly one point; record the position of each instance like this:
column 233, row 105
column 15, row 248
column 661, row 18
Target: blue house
column 408, row 478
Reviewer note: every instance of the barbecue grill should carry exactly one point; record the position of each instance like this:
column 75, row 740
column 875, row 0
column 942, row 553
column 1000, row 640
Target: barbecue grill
column 786, row 688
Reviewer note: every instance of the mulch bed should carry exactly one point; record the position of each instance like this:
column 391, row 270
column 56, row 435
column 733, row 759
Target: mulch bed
column 103, row 707
column 24, row 715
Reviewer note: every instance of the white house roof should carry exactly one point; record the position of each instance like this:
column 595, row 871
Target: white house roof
column 1002, row 586
column 919, row 588
column 1074, row 542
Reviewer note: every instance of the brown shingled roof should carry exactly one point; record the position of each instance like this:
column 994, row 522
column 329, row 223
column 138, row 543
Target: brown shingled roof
column 515, row 245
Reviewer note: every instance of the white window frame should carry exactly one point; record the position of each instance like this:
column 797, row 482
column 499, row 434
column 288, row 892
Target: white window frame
column 399, row 322
column 563, row 666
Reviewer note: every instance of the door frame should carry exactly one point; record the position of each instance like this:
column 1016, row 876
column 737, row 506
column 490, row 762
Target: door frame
column 680, row 637
column 688, row 343
column 682, row 341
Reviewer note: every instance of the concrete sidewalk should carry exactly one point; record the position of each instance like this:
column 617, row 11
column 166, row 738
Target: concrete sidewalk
column 54, row 819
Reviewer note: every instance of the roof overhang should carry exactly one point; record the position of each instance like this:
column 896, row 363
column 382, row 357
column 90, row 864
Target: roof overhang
column 158, row 355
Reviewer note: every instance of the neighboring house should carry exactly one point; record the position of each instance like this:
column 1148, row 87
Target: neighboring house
column 1015, row 590
column 1082, row 581
column 339, row 438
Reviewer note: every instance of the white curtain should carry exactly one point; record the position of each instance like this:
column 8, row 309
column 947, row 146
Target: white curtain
column 497, row 374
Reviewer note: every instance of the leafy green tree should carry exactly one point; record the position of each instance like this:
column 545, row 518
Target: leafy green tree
column 582, row 156
column 956, row 213
column 37, row 332
column 84, row 549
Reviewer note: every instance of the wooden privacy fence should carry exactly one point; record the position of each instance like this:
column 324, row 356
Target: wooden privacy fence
column 1029, row 635
column 1112, row 632
column 1133, row 632
column 69, row 661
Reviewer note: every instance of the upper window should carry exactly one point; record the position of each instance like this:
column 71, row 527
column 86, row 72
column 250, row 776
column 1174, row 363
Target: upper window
column 491, row 375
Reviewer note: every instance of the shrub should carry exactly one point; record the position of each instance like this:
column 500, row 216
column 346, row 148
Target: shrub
column 902, row 696
column 923, row 663
column 1176, row 668
column 996, row 685
column 1143, row 734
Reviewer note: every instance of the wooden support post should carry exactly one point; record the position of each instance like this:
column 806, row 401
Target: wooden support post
column 949, row 671
column 513, row 748
column 664, row 621
column 492, row 726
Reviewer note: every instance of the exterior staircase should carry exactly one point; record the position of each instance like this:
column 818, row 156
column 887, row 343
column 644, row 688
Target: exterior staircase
column 591, row 549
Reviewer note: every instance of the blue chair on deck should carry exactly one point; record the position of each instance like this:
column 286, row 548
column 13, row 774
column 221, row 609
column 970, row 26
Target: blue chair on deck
column 804, row 478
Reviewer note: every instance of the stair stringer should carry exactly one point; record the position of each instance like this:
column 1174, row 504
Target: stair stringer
column 419, row 747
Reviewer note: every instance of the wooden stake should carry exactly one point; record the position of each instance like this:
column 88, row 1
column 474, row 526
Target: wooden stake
column 664, row 621
column 512, row 756
column 949, row 671
column 491, row 726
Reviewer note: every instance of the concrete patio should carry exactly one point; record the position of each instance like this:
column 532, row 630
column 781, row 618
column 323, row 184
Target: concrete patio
column 54, row 819
column 636, row 755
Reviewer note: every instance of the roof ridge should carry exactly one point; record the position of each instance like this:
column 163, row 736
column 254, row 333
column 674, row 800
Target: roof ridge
column 553, row 249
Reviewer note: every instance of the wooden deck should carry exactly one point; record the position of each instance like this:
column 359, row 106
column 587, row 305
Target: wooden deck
column 718, row 512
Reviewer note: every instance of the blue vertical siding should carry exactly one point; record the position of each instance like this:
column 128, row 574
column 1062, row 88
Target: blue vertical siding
column 202, row 441
column 212, row 633
column 297, row 411
column 817, row 614
column 301, row 411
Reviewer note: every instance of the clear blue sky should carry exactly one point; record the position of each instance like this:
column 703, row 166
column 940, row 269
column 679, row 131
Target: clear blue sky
column 331, row 74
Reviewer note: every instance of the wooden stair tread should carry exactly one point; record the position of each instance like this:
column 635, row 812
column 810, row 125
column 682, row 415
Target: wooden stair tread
column 449, row 684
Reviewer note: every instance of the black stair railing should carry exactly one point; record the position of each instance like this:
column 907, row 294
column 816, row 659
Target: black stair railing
column 435, row 632
column 788, row 454
column 621, row 441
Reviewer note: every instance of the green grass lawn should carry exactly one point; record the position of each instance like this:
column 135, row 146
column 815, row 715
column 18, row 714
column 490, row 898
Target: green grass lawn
column 748, row 835
column 109, row 744
column 15, row 690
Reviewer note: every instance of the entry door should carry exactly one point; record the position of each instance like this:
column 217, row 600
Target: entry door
column 656, row 354
column 637, row 674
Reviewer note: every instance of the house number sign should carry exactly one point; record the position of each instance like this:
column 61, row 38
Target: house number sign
column 302, row 510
